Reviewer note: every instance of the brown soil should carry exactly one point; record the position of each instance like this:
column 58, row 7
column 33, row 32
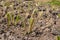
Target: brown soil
column 45, row 27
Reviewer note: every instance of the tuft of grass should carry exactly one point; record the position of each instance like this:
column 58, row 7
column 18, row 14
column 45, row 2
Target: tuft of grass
column 10, row 18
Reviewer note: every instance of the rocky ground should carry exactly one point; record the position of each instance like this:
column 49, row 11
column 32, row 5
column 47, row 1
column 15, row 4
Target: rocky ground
column 46, row 21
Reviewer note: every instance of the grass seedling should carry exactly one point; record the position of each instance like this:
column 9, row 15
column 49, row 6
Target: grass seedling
column 10, row 18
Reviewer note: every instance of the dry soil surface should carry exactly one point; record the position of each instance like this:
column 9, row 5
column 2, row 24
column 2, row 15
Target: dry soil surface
column 46, row 21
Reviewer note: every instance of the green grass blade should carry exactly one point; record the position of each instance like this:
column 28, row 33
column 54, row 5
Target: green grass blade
column 31, row 21
column 17, row 19
column 8, row 16
column 58, row 37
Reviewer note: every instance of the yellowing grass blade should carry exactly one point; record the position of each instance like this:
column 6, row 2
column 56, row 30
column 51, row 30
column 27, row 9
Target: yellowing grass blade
column 31, row 21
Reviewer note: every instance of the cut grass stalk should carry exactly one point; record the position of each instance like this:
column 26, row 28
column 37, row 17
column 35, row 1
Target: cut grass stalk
column 12, row 18
column 17, row 19
column 8, row 16
column 31, row 21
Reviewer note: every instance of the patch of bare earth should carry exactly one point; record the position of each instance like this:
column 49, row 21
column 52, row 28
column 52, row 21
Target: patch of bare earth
column 46, row 21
